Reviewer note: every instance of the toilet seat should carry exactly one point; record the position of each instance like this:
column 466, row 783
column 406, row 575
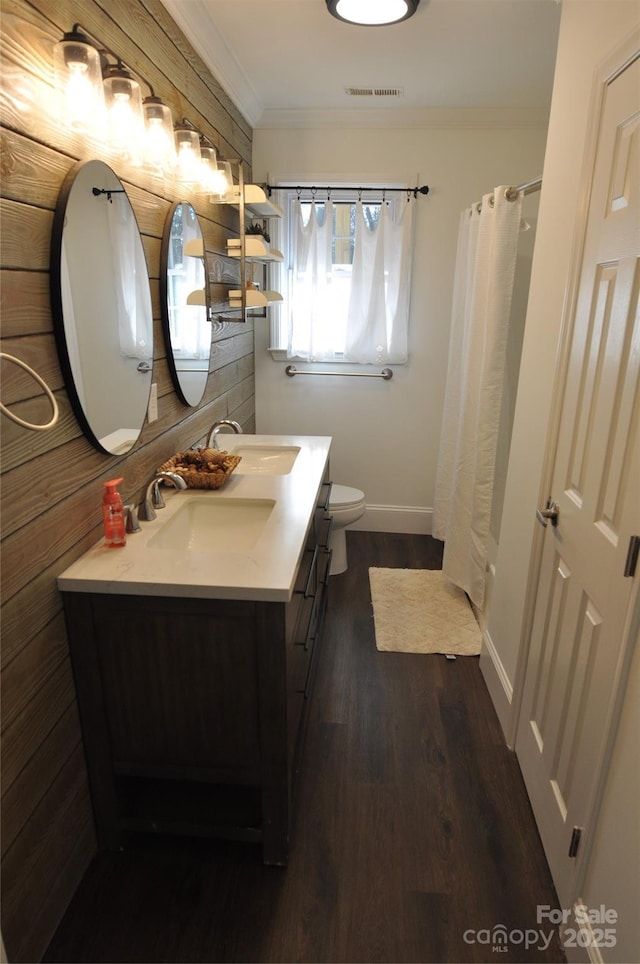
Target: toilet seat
column 343, row 496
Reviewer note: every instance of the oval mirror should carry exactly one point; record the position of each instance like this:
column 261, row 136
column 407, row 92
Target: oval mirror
column 101, row 302
column 184, row 298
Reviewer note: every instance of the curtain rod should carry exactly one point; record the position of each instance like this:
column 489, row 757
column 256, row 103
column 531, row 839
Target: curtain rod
column 344, row 187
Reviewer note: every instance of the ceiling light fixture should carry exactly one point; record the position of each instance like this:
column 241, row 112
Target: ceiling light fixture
column 372, row 12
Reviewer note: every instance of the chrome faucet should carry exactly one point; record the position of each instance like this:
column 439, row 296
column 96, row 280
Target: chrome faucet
column 217, row 427
column 153, row 497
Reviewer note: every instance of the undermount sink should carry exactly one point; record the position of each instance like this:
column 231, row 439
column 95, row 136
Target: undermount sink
column 214, row 525
column 264, row 459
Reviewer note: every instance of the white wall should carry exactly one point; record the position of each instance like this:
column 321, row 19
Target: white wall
column 386, row 434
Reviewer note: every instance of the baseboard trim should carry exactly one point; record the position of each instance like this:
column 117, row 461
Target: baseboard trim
column 498, row 683
column 574, row 952
column 395, row 518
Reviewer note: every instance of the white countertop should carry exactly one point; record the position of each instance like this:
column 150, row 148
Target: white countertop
column 265, row 571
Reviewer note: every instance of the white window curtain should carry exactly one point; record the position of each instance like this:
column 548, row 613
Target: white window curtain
column 310, row 301
column 375, row 326
column 483, row 286
column 380, row 287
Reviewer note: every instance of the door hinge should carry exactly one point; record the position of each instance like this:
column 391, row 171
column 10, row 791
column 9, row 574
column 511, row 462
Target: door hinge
column 575, row 841
column 632, row 556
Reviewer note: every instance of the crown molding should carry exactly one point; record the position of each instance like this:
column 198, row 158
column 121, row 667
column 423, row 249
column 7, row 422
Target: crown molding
column 425, row 117
column 196, row 23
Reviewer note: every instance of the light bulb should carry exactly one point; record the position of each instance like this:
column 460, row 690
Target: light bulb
column 223, row 182
column 124, row 113
column 160, row 148
column 209, row 174
column 78, row 82
column 188, row 166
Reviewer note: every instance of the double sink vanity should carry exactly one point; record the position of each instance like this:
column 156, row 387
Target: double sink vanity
column 194, row 647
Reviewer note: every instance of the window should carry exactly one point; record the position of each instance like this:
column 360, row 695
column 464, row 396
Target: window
column 346, row 279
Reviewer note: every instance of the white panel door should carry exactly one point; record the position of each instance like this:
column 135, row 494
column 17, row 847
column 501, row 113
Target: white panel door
column 580, row 634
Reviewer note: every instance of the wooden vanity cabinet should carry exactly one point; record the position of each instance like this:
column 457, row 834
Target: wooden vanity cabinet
column 193, row 710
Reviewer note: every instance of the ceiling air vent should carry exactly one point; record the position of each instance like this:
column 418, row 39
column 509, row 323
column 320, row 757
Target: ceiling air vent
column 374, row 91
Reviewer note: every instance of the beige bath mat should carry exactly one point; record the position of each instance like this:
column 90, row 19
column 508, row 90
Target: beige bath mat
column 420, row 611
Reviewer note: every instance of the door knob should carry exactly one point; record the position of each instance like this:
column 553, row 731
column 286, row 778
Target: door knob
column 550, row 514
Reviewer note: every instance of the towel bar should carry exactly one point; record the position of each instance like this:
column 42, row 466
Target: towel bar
column 386, row 373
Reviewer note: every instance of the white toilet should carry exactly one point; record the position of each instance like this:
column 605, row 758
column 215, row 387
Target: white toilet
column 346, row 506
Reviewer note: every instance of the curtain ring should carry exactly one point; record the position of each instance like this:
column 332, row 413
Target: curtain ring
column 313, row 192
column 492, row 201
column 359, row 193
column 298, row 192
column 328, row 194
column 479, row 207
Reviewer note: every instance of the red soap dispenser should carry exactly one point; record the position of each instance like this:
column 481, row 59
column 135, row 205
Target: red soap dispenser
column 113, row 515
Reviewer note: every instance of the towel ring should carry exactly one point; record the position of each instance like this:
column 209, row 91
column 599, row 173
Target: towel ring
column 43, row 385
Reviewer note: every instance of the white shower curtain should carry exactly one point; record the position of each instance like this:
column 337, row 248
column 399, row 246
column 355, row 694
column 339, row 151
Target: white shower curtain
column 484, row 276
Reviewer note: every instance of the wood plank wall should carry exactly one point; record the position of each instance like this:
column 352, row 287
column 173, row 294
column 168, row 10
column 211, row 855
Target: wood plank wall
column 52, row 481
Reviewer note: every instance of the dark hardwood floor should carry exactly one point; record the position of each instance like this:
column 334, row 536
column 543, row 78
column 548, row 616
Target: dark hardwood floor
column 413, row 837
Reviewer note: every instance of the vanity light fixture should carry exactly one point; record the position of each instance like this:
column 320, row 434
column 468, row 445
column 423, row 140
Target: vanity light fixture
column 160, row 148
column 223, row 186
column 103, row 100
column 215, row 178
column 211, row 177
column 125, row 119
column 78, row 80
column 372, row 12
column 188, row 157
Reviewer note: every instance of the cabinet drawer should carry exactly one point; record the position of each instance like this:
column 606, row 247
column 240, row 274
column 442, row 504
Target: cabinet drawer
column 301, row 647
column 307, row 571
column 295, row 706
column 324, row 497
column 322, row 526
column 324, row 562
column 298, row 668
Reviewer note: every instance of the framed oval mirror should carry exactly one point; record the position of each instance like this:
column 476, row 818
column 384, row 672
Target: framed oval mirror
column 184, row 300
column 101, row 303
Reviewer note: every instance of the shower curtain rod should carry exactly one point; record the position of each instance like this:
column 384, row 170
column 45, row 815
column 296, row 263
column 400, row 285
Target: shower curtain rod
column 346, row 187
column 527, row 188
column 512, row 193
